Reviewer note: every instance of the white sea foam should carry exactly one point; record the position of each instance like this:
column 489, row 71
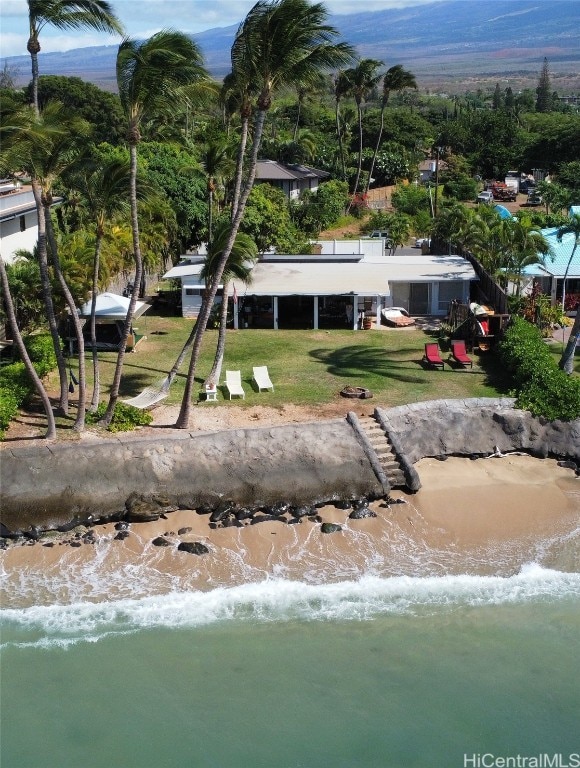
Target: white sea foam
column 283, row 600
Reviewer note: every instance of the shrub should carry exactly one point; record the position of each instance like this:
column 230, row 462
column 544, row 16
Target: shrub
column 125, row 417
column 41, row 351
column 541, row 387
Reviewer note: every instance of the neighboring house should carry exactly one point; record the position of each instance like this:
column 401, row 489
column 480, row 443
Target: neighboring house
column 550, row 270
column 343, row 281
column 291, row 179
column 427, row 169
column 18, row 220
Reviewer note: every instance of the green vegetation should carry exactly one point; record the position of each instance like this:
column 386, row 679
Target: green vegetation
column 125, row 417
column 541, row 387
column 15, row 383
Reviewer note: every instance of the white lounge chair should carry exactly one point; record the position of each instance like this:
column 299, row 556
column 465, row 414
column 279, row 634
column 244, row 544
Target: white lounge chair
column 262, row 378
column 234, row 384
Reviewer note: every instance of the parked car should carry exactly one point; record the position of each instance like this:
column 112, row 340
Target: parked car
column 421, row 241
column 485, row 197
column 534, row 198
column 380, row 233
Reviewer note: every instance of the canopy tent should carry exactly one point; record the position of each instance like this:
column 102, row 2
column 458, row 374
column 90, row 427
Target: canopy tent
column 110, row 306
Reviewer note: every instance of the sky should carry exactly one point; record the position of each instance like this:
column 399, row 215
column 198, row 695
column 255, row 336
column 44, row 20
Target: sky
column 141, row 18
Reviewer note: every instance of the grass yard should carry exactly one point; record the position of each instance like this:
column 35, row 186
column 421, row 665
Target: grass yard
column 306, row 367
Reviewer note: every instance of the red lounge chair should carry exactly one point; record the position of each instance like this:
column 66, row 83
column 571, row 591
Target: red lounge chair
column 459, row 353
column 432, row 356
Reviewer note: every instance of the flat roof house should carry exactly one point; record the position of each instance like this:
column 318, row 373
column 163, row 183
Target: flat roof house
column 336, row 288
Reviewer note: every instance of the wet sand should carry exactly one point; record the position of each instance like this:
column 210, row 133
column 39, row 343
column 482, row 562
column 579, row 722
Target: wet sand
column 483, row 517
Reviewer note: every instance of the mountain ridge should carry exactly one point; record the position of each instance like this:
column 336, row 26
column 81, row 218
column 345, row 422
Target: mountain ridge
column 441, row 42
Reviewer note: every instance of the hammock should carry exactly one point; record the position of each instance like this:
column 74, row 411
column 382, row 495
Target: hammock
column 150, row 396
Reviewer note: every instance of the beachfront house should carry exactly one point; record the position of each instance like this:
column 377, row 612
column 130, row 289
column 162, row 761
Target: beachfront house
column 338, row 286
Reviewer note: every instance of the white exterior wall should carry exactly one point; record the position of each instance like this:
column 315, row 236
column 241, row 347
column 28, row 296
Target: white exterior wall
column 371, row 249
column 12, row 239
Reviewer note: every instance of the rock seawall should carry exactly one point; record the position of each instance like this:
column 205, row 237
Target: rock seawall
column 50, row 486
column 478, row 426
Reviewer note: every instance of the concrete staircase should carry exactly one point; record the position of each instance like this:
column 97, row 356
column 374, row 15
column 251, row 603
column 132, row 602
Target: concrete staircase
column 381, row 445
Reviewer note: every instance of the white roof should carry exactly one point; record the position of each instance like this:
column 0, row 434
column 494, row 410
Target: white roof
column 113, row 306
column 316, row 278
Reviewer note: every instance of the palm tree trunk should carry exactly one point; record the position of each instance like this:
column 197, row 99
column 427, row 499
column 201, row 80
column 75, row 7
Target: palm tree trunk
column 79, row 424
column 215, row 373
column 240, row 165
column 17, row 336
column 339, row 138
column 377, row 147
column 96, row 371
column 114, row 394
column 208, row 300
column 567, row 360
column 47, row 298
column 297, row 123
column 360, row 150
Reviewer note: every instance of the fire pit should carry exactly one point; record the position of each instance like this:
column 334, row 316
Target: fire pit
column 360, row 392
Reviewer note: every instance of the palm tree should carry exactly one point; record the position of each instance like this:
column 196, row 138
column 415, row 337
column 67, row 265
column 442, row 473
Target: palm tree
column 279, row 44
column 239, row 265
column 341, row 89
column 571, row 228
column 65, row 14
column 45, row 145
column 395, row 79
column 150, row 76
column 7, row 297
column 362, row 79
column 104, row 188
column 216, row 162
column 522, row 243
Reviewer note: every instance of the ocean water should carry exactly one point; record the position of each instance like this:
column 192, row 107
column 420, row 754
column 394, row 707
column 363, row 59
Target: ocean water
column 398, row 671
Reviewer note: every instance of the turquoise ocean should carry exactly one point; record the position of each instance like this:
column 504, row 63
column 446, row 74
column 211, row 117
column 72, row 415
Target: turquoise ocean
column 417, row 668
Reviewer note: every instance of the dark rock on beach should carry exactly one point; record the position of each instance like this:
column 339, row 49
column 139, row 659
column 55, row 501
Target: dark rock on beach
column 568, row 465
column 183, row 531
column 146, row 509
column 121, row 526
column 361, row 512
column 161, row 541
column 193, row 547
column 222, row 511
column 315, row 518
column 343, row 504
column 330, row 528
column 121, row 535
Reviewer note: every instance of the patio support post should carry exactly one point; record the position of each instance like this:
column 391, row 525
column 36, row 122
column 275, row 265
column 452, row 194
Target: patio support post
column 315, row 318
column 275, row 307
column 236, row 305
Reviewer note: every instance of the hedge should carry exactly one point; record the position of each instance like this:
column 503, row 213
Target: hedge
column 16, row 385
column 540, row 386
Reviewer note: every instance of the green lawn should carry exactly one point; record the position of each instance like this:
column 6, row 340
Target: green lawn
column 306, row 367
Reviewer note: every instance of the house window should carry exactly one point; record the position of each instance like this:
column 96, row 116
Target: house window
column 23, row 223
column 449, row 290
column 192, row 292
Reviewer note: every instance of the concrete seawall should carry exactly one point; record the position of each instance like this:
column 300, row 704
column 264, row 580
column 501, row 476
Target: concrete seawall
column 50, row 485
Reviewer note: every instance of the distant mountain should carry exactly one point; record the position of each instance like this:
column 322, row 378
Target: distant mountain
column 441, row 42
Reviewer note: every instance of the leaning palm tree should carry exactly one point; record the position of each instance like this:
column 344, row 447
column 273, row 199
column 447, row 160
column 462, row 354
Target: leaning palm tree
column 65, row 14
column 362, row 79
column 571, row 228
column 17, row 336
column 45, row 146
column 395, row 79
column 244, row 254
column 150, row 76
column 279, row 44
column 341, row 89
column 217, row 163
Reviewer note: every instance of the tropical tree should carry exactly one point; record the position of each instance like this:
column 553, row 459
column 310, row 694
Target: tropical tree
column 105, row 190
column 150, row 76
column 571, row 228
column 341, row 89
column 17, row 336
column 279, row 44
column 361, row 80
column 522, row 245
column 45, row 145
column 396, row 78
column 65, row 14
column 244, row 254
column 26, row 289
column 217, row 163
